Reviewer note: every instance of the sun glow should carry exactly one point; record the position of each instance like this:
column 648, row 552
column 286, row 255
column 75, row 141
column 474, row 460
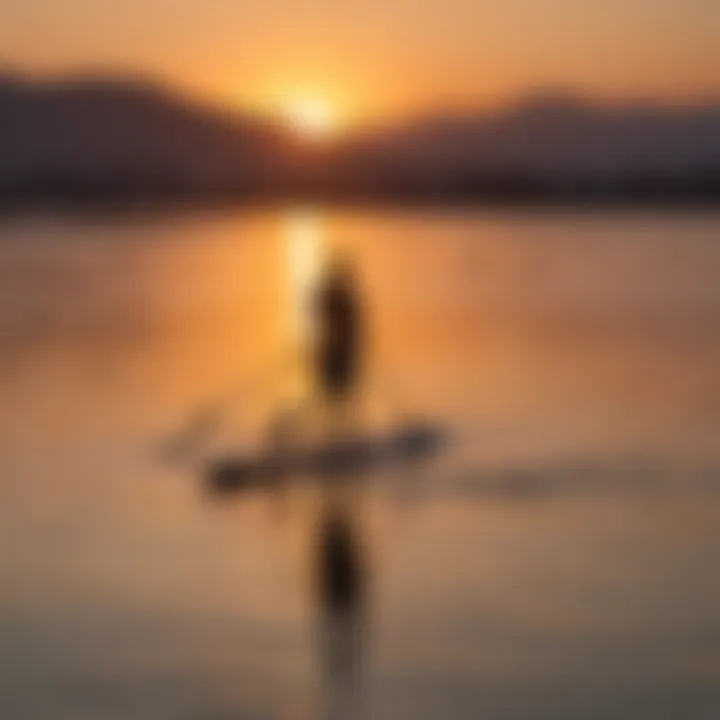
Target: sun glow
column 310, row 117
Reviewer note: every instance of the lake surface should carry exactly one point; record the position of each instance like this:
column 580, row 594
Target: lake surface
column 560, row 561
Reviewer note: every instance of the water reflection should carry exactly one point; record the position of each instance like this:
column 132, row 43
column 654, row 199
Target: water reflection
column 304, row 241
column 558, row 346
column 341, row 586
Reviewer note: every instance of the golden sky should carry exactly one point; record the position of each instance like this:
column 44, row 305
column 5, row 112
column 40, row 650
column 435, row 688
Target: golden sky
column 375, row 57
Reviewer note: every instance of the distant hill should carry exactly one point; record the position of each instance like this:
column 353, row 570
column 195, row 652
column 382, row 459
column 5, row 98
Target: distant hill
column 105, row 138
column 550, row 146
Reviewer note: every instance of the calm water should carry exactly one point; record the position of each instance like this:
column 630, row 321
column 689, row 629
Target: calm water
column 560, row 562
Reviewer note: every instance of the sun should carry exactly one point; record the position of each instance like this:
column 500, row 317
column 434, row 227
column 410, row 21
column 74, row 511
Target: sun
column 310, row 117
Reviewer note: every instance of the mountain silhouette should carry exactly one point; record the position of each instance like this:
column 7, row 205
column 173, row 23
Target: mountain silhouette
column 87, row 138
column 117, row 135
column 551, row 144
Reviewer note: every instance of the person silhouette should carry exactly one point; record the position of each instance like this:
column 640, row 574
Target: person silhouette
column 338, row 348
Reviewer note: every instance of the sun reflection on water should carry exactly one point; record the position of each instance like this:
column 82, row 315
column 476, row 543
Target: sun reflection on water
column 305, row 245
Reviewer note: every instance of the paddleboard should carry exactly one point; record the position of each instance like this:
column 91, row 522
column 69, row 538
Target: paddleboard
column 351, row 456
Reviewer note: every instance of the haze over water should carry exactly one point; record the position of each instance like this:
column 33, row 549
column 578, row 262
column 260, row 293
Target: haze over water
column 559, row 562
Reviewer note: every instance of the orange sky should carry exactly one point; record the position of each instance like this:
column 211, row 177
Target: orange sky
column 378, row 57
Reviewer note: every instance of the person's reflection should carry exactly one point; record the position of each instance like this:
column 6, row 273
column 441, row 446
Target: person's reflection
column 341, row 587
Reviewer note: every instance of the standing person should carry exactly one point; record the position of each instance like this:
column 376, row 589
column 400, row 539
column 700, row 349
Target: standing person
column 338, row 350
column 334, row 361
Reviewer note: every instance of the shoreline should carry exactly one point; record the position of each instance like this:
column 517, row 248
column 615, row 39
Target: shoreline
column 202, row 204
